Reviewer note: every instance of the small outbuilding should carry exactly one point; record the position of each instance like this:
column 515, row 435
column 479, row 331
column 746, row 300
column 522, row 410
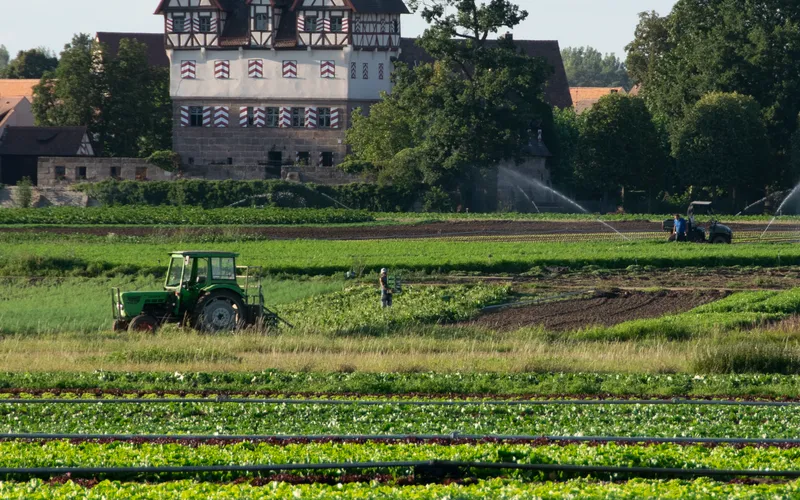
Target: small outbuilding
column 21, row 148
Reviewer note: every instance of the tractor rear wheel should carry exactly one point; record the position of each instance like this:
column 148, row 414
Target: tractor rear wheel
column 143, row 323
column 219, row 311
column 720, row 240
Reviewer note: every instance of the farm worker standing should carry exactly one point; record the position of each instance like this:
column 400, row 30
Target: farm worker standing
column 386, row 292
column 679, row 228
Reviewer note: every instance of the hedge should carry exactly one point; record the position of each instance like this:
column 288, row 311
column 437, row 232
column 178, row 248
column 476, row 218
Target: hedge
column 220, row 194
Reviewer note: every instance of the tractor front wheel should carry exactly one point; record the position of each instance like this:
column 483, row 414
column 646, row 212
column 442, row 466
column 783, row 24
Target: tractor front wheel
column 119, row 325
column 219, row 311
column 143, row 323
column 720, row 240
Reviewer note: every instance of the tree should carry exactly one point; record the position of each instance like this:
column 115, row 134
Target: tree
column 4, row 57
column 723, row 143
column 587, row 67
column 446, row 123
column 620, row 147
column 122, row 100
column 567, row 125
column 706, row 46
column 31, row 63
column 70, row 95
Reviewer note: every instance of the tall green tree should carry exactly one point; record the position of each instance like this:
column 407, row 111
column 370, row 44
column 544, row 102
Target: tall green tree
column 445, row 123
column 121, row 99
column 747, row 46
column 4, row 58
column 31, row 63
column 567, row 125
column 587, row 67
column 620, row 147
column 70, row 95
column 722, row 142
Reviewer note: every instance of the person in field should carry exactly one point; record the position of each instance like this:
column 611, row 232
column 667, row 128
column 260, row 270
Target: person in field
column 386, row 292
column 679, row 229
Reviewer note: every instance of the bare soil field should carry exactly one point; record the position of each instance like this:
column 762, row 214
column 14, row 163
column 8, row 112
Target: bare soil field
column 607, row 310
column 378, row 231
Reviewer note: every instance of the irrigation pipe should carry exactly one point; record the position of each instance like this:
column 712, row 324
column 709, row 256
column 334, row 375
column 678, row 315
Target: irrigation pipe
column 366, row 402
column 438, row 438
column 432, row 467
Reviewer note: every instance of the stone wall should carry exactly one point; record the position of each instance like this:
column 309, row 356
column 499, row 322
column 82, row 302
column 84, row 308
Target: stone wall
column 235, row 145
column 50, row 171
column 45, row 197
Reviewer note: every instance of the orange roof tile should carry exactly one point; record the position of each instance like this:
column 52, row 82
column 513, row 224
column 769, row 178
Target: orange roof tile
column 587, row 93
column 18, row 88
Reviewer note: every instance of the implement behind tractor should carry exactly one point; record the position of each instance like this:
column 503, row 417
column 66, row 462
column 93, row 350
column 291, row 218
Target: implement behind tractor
column 204, row 290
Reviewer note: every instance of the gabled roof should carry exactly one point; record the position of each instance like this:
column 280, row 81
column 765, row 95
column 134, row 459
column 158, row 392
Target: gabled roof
column 380, row 6
column 18, row 88
column 556, row 91
column 7, row 105
column 584, row 98
column 156, row 53
column 42, row 141
column 164, row 4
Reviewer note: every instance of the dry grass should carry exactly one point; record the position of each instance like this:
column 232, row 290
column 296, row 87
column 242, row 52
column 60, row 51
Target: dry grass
column 181, row 350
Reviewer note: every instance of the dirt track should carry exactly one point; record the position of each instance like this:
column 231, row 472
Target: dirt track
column 424, row 230
column 605, row 311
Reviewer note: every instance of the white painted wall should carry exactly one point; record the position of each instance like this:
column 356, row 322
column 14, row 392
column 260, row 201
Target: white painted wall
column 307, row 85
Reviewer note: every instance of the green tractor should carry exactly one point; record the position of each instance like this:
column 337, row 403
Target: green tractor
column 204, row 290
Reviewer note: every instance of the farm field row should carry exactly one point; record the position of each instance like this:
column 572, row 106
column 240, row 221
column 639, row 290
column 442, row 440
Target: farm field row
column 319, row 257
column 23, row 454
column 442, row 385
column 488, row 490
column 221, row 418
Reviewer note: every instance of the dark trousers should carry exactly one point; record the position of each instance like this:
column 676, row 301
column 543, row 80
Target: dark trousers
column 386, row 299
column 680, row 237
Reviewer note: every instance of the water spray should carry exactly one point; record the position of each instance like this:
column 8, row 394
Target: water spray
column 780, row 208
column 529, row 199
column 522, row 178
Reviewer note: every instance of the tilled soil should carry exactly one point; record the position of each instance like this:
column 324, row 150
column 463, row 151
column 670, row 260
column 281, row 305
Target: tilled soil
column 598, row 311
column 424, row 230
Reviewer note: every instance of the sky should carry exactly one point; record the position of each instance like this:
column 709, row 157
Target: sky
column 607, row 25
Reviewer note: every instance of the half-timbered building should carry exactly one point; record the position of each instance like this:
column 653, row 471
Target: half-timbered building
column 273, row 82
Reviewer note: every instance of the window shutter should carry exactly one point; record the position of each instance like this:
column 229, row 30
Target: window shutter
column 255, row 68
column 334, row 117
column 311, row 117
column 260, row 117
column 222, row 70
column 290, row 69
column 184, row 116
column 221, row 116
column 188, row 70
column 243, row 117
column 208, row 119
column 327, row 69
column 285, row 119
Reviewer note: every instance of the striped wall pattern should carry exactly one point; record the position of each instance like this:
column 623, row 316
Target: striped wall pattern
column 255, row 68
column 285, row 117
column 213, row 24
column 319, row 159
column 243, row 117
column 188, row 70
column 345, row 25
column 365, row 71
column 380, row 71
column 184, row 116
column 301, row 22
column 187, row 24
column 353, row 71
column 221, row 116
column 196, row 24
column 323, row 24
column 290, row 69
column 169, row 24
column 222, row 70
column 311, row 117
column 208, row 116
column 327, row 69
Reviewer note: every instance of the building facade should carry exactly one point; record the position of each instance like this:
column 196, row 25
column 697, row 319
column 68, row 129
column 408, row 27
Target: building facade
column 274, row 82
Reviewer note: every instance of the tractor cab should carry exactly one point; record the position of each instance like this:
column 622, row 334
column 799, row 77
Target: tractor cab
column 203, row 289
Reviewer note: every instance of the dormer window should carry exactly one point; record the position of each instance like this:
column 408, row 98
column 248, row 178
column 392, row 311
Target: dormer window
column 261, row 22
column 336, row 24
column 205, row 24
column 311, row 23
column 178, row 24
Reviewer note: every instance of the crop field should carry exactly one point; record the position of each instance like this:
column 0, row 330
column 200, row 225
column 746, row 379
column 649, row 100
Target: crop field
column 525, row 356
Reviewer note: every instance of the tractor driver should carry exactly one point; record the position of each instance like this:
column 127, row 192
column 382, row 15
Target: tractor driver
column 386, row 291
column 679, row 229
